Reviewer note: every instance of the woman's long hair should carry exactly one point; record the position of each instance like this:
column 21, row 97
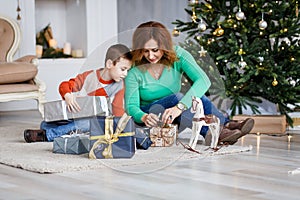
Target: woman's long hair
column 157, row 31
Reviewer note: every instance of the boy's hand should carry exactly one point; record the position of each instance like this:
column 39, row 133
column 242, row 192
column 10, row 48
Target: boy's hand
column 71, row 102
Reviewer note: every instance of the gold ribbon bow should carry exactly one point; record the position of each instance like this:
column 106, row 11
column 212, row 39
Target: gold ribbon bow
column 109, row 136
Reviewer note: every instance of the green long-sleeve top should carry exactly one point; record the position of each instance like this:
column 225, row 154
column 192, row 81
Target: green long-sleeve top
column 142, row 89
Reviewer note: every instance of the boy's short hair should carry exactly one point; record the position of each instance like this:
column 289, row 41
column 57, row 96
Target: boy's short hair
column 117, row 51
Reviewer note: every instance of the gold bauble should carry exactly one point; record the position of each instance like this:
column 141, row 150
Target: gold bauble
column 274, row 82
column 219, row 31
column 175, row 32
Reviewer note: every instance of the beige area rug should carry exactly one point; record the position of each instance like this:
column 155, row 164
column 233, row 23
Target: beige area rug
column 38, row 157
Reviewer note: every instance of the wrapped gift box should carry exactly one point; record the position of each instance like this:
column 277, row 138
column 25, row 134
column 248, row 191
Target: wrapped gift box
column 71, row 144
column 296, row 118
column 112, row 137
column 267, row 124
column 163, row 137
column 142, row 136
column 90, row 106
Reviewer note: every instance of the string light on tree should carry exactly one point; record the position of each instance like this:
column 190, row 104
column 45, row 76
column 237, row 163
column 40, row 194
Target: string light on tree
column 292, row 59
column 284, row 30
column 193, row 2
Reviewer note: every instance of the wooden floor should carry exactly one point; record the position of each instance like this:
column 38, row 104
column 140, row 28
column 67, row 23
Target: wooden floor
column 259, row 174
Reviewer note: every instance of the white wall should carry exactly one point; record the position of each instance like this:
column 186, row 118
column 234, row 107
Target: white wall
column 67, row 23
column 27, row 23
column 92, row 26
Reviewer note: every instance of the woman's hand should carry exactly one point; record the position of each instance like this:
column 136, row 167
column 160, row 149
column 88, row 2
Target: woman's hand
column 71, row 102
column 170, row 114
column 150, row 120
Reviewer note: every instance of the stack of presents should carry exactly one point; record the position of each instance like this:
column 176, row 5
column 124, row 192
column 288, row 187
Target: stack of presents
column 118, row 137
column 109, row 136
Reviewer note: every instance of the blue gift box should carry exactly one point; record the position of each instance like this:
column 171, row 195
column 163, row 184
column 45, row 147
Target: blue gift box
column 112, row 137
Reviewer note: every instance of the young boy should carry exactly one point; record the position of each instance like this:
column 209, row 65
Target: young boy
column 107, row 81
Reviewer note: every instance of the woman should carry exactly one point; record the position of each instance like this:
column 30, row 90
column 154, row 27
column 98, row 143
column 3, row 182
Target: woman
column 154, row 82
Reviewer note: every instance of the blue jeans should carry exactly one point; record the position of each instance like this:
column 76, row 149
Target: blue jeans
column 55, row 129
column 185, row 119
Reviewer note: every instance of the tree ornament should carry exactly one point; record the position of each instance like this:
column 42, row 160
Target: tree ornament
column 242, row 63
column 262, row 23
column 202, row 26
column 241, row 51
column 194, row 16
column 274, row 82
column 261, row 59
column 240, row 15
column 230, row 21
column 219, row 31
column 202, row 52
column 175, row 32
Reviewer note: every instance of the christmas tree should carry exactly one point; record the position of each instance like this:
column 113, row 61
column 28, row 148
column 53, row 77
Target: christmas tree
column 255, row 45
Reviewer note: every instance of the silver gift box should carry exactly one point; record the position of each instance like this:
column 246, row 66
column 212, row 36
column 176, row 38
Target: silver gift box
column 90, row 106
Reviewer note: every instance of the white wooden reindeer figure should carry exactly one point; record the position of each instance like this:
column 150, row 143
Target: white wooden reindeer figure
column 199, row 120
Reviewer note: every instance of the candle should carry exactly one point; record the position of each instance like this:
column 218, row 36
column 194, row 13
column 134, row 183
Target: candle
column 53, row 43
column 67, row 48
column 39, row 50
column 77, row 53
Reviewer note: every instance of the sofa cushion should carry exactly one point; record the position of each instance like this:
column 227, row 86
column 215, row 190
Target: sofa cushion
column 19, row 87
column 16, row 72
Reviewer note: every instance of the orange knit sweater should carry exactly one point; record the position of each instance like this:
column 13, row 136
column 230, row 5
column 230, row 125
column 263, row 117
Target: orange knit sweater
column 90, row 83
